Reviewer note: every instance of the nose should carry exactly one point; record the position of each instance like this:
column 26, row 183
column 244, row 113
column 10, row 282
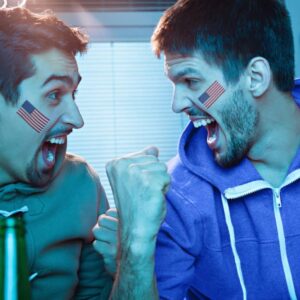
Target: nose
column 72, row 115
column 180, row 102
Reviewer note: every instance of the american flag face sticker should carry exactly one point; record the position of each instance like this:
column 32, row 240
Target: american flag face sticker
column 32, row 116
column 211, row 95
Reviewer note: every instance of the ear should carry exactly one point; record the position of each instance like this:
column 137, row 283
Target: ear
column 258, row 76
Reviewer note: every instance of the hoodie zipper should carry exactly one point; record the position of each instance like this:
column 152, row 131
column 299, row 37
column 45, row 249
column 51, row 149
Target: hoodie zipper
column 282, row 244
column 277, row 197
column 252, row 187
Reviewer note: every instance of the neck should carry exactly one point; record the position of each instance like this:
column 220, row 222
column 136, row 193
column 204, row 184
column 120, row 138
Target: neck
column 278, row 138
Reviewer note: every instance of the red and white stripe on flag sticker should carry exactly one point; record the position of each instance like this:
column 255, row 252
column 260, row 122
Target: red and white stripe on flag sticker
column 32, row 116
column 209, row 97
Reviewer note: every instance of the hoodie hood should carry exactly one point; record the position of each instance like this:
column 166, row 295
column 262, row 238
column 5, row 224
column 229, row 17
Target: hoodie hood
column 9, row 191
column 195, row 154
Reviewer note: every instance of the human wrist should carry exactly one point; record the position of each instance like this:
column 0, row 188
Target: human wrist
column 138, row 245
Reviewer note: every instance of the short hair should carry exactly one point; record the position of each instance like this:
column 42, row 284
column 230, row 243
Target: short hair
column 229, row 33
column 23, row 33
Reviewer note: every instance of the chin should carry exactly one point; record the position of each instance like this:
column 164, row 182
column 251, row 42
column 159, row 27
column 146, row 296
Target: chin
column 233, row 154
column 39, row 179
column 227, row 161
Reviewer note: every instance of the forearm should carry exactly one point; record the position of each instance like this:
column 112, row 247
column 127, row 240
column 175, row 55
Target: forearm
column 138, row 183
column 135, row 276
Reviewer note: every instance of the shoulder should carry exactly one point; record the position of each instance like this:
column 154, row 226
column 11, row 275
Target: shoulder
column 188, row 185
column 77, row 166
column 78, row 179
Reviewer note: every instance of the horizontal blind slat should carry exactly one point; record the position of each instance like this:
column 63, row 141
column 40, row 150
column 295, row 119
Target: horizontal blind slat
column 126, row 104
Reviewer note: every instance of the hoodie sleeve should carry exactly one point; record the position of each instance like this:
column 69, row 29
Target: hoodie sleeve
column 94, row 282
column 178, row 245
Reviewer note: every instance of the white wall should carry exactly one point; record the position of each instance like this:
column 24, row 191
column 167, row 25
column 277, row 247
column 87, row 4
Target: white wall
column 114, row 26
column 138, row 26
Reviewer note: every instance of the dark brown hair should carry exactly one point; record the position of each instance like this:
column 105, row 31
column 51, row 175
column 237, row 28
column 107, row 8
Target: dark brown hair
column 229, row 33
column 23, row 33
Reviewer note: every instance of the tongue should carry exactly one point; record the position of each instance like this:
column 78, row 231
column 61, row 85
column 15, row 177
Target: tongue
column 211, row 133
column 49, row 154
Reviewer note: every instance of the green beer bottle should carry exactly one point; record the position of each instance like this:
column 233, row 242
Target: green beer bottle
column 14, row 281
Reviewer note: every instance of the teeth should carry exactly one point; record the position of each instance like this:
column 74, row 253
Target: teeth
column 197, row 123
column 203, row 122
column 57, row 140
column 50, row 157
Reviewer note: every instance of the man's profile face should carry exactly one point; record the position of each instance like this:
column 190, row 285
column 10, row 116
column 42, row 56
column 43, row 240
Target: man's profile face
column 230, row 119
column 33, row 153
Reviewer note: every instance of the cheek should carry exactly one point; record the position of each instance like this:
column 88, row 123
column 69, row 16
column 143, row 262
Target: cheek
column 33, row 116
column 27, row 139
column 209, row 97
column 19, row 140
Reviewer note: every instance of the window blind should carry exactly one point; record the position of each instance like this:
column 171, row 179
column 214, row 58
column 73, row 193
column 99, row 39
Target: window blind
column 125, row 100
column 100, row 5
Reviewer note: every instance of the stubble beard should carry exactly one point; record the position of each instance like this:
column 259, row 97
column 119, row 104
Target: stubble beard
column 240, row 120
column 35, row 177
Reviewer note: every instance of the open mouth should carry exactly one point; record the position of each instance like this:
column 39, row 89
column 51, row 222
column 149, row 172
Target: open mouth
column 49, row 149
column 212, row 129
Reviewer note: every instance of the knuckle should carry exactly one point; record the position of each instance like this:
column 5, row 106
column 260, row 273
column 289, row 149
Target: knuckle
column 114, row 165
column 121, row 163
column 151, row 158
column 147, row 178
column 134, row 169
column 98, row 246
column 101, row 217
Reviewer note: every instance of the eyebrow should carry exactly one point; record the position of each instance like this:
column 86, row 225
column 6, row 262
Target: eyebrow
column 187, row 71
column 66, row 79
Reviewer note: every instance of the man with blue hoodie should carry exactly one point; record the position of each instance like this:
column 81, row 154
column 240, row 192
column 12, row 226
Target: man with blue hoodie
column 232, row 226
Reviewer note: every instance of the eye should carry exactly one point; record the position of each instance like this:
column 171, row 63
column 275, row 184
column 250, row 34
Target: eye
column 55, row 96
column 191, row 83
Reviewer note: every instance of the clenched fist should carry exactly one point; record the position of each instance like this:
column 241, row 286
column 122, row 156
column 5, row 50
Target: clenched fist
column 139, row 182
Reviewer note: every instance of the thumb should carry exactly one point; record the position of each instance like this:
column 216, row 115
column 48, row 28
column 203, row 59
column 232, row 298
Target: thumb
column 151, row 150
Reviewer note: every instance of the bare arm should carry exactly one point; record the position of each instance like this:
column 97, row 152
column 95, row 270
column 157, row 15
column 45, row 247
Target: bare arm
column 135, row 278
column 138, row 183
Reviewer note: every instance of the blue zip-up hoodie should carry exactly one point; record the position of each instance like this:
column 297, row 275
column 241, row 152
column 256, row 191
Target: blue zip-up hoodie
column 228, row 234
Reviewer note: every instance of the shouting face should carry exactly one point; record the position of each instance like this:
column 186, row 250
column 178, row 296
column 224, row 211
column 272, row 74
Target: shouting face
column 201, row 92
column 34, row 133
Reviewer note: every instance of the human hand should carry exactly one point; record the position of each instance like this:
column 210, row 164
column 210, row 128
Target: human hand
column 139, row 182
column 106, row 239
